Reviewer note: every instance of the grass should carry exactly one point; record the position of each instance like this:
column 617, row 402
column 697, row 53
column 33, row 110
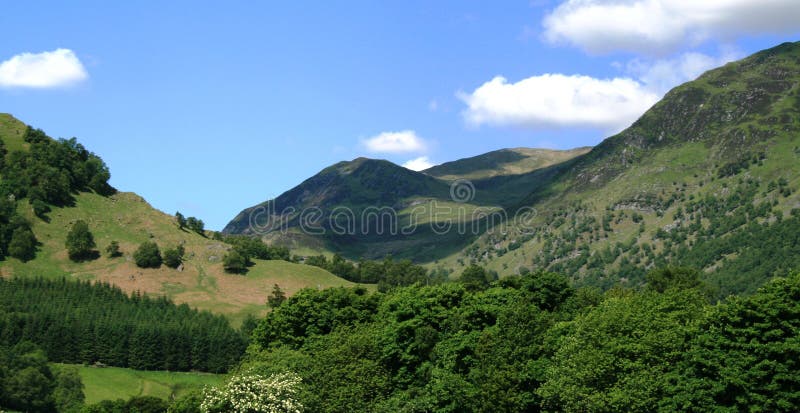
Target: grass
column 12, row 131
column 502, row 162
column 129, row 220
column 112, row 383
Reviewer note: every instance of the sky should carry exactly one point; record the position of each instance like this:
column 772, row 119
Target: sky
column 208, row 108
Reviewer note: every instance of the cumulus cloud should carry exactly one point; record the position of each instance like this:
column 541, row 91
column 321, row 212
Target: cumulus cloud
column 657, row 26
column 405, row 141
column 418, row 164
column 557, row 100
column 60, row 67
column 662, row 75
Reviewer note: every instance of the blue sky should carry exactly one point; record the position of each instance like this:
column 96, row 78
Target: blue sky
column 209, row 108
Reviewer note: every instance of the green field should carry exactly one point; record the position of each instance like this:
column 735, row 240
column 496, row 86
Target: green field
column 111, row 383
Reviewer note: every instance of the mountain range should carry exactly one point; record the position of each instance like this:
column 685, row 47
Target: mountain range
column 702, row 178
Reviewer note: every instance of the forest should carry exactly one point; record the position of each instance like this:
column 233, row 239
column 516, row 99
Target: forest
column 95, row 323
column 519, row 344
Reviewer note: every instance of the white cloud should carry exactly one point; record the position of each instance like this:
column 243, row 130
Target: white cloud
column 418, row 164
column 395, row 142
column 557, row 100
column 662, row 75
column 60, row 67
column 657, row 26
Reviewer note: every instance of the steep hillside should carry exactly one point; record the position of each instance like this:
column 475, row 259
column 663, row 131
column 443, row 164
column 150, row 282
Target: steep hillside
column 706, row 178
column 130, row 220
column 362, row 208
column 503, row 162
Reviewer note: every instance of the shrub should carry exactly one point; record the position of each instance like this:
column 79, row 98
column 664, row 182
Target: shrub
column 147, row 255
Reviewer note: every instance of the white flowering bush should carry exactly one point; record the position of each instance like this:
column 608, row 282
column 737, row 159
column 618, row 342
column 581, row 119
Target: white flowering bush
column 253, row 393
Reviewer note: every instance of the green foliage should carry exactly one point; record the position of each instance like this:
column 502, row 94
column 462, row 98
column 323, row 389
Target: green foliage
column 40, row 208
column 112, row 250
column 147, row 255
column 82, row 322
column 617, row 356
column 22, row 245
column 668, row 278
column 196, row 225
column 277, row 297
column 180, row 219
column 475, row 277
column 173, row 257
column 250, row 248
column 388, row 273
column 68, row 395
column 310, row 312
column 80, row 242
column 745, row 356
column 234, row 262
column 51, row 169
column 28, row 384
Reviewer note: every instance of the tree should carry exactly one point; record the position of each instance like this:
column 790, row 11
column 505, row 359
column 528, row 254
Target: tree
column 277, row 297
column 68, row 394
column 196, row 225
column 234, row 262
column 680, row 278
column 112, row 250
column 475, row 277
column 745, row 355
column 40, row 208
column 80, row 242
column 173, row 257
column 147, row 255
column 23, row 244
column 180, row 219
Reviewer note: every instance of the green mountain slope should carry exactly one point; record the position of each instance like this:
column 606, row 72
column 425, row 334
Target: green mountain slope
column 503, row 162
column 130, row 220
column 342, row 207
column 705, row 178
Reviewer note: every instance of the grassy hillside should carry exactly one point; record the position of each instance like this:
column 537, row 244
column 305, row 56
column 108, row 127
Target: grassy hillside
column 130, row 220
column 112, row 383
column 708, row 178
column 515, row 161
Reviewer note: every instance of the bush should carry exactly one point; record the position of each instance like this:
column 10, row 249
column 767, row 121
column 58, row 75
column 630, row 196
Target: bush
column 234, row 263
column 112, row 250
column 173, row 257
column 147, row 255
column 80, row 242
column 23, row 244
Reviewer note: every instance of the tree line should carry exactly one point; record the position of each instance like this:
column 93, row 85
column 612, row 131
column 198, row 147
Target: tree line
column 388, row 273
column 83, row 322
column 47, row 174
column 534, row 343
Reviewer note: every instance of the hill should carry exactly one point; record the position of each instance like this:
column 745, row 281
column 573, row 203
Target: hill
column 128, row 219
column 705, row 178
column 503, row 162
column 369, row 208
column 361, row 208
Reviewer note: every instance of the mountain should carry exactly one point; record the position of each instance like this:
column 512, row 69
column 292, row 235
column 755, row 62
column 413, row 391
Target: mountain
column 707, row 178
column 503, row 162
column 358, row 192
column 128, row 219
